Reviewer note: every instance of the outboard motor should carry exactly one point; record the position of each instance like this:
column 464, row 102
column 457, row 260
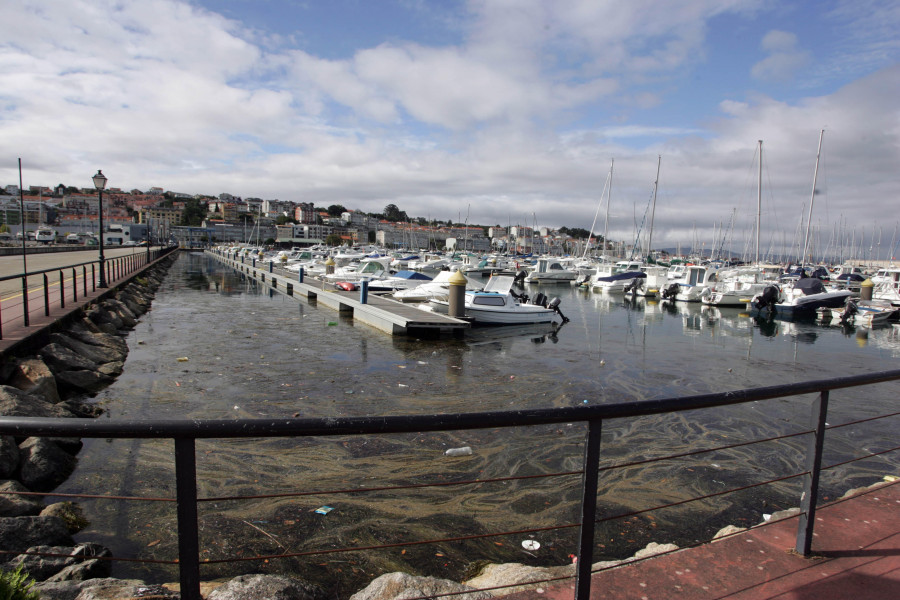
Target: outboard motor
column 554, row 305
column 671, row 291
column 850, row 310
column 540, row 299
column 768, row 298
column 520, row 276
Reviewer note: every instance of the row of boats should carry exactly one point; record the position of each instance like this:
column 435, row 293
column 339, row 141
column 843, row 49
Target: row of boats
column 491, row 280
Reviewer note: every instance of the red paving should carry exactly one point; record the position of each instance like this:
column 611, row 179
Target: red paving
column 856, row 552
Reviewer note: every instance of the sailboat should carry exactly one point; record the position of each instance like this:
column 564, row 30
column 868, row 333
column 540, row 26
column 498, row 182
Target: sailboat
column 806, row 295
column 736, row 286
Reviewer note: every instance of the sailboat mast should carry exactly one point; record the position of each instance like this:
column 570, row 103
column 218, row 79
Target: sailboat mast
column 597, row 213
column 653, row 210
column 812, row 199
column 608, row 201
column 758, row 201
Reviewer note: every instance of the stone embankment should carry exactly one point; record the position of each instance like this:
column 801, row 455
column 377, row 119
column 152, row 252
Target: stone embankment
column 67, row 365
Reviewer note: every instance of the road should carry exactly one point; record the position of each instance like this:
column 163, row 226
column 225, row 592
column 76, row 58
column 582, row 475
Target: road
column 12, row 265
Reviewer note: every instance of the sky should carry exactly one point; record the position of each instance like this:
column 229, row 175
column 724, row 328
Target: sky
column 505, row 112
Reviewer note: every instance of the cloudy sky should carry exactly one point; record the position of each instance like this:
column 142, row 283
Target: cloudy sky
column 509, row 110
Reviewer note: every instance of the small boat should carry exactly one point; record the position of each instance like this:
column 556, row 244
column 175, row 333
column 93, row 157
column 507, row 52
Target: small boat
column 438, row 288
column 613, row 278
column 697, row 283
column 862, row 312
column 802, row 297
column 551, row 270
column 498, row 304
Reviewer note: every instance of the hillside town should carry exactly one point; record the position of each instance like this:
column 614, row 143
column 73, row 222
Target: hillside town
column 66, row 214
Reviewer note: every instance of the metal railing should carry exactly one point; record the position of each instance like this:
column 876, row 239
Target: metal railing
column 59, row 285
column 185, row 433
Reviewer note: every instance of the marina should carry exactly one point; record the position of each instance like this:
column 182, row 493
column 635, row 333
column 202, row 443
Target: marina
column 304, row 359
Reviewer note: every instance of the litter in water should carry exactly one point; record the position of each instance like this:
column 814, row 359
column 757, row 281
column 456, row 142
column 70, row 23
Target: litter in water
column 464, row 451
column 323, row 510
column 531, row 544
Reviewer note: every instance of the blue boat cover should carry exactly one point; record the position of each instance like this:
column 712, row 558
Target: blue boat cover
column 412, row 275
column 626, row 275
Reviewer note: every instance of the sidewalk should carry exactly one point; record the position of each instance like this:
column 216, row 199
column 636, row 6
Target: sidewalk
column 856, row 556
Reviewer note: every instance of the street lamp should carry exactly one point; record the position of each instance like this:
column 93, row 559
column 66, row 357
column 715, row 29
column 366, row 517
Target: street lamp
column 100, row 183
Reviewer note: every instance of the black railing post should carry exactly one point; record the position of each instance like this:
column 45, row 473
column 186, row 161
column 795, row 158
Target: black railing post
column 811, row 480
column 589, row 480
column 188, row 535
column 62, row 290
column 25, row 298
column 93, row 278
column 84, row 279
column 74, row 285
column 46, row 296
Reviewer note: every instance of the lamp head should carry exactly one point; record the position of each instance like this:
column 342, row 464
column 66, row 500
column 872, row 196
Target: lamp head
column 99, row 180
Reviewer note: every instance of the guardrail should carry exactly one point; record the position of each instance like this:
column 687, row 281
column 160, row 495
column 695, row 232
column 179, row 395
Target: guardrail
column 185, row 433
column 70, row 281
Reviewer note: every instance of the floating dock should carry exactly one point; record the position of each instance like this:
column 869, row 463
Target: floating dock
column 384, row 314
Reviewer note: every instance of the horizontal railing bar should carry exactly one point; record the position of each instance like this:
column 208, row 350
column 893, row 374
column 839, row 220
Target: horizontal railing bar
column 859, row 458
column 849, row 423
column 42, row 271
column 333, row 426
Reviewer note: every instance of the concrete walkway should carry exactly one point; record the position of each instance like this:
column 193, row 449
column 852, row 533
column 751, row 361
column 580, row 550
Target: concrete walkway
column 856, row 556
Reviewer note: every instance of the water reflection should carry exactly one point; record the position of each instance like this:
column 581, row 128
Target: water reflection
column 262, row 355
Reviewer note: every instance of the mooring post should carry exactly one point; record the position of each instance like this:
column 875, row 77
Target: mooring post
column 364, row 291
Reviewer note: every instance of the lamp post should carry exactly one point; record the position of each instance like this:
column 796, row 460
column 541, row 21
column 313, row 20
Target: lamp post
column 100, row 183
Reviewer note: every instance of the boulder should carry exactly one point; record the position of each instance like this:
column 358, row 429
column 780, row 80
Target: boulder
column 16, row 403
column 652, row 549
column 495, row 575
column 67, row 564
column 270, row 587
column 17, row 506
column 121, row 311
column 61, row 359
column 86, row 331
column 101, row 589
column 9, row 456
column 96, row 354
column 32, row 375
column 17, row 534
column 83, row 381
column 44, row 465
column 398, row 586
column 82, row 410
column 728, row 530
column 70, row 513
column 111, row 369
column 107, row 321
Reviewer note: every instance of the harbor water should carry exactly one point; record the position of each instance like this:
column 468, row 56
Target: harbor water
column 219, row 346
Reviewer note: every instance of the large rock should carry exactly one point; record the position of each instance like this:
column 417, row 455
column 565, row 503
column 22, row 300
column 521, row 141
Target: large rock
column 44, row 465
column 68, row 564
column 17, row 534
column 12, row 505
column 398, row 586
column 87, row 331
column 83, row 381
column 32, row 375
column 128, row 318
column 96, row 354
column 270, row 587
column 61, row 359
column 495, row 575
column 16, row 403
column 70, row 513
column 101, row 589
column 9, row 456
column 107, row 321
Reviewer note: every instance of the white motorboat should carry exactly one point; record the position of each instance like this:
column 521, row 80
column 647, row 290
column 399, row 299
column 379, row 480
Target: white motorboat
column 652, row 284
column 867, row 313
column 800, row 298
column 698, row 279
column 736, row 286
column 551, row 270
column 616, row 277
column 438, row 288
column 498, row 304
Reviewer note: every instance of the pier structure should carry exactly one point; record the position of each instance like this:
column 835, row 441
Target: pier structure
column 384, row 314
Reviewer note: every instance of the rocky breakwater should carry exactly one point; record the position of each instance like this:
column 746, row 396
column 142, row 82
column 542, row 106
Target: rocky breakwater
column 65, row 367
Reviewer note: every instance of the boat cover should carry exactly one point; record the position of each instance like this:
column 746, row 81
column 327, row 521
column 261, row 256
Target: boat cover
column 627, row 275
column 810, row 286
column 412, row 275
column 851, row 277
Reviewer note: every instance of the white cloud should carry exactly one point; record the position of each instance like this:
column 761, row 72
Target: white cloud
column 784, row 60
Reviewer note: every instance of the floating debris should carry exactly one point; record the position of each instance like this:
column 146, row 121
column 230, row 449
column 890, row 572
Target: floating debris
column 464, row 451
column 531, row 544
column 323, row 510
column 182, row 359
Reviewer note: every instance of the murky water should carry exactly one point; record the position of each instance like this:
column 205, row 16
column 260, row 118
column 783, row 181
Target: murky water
column 254, row 354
